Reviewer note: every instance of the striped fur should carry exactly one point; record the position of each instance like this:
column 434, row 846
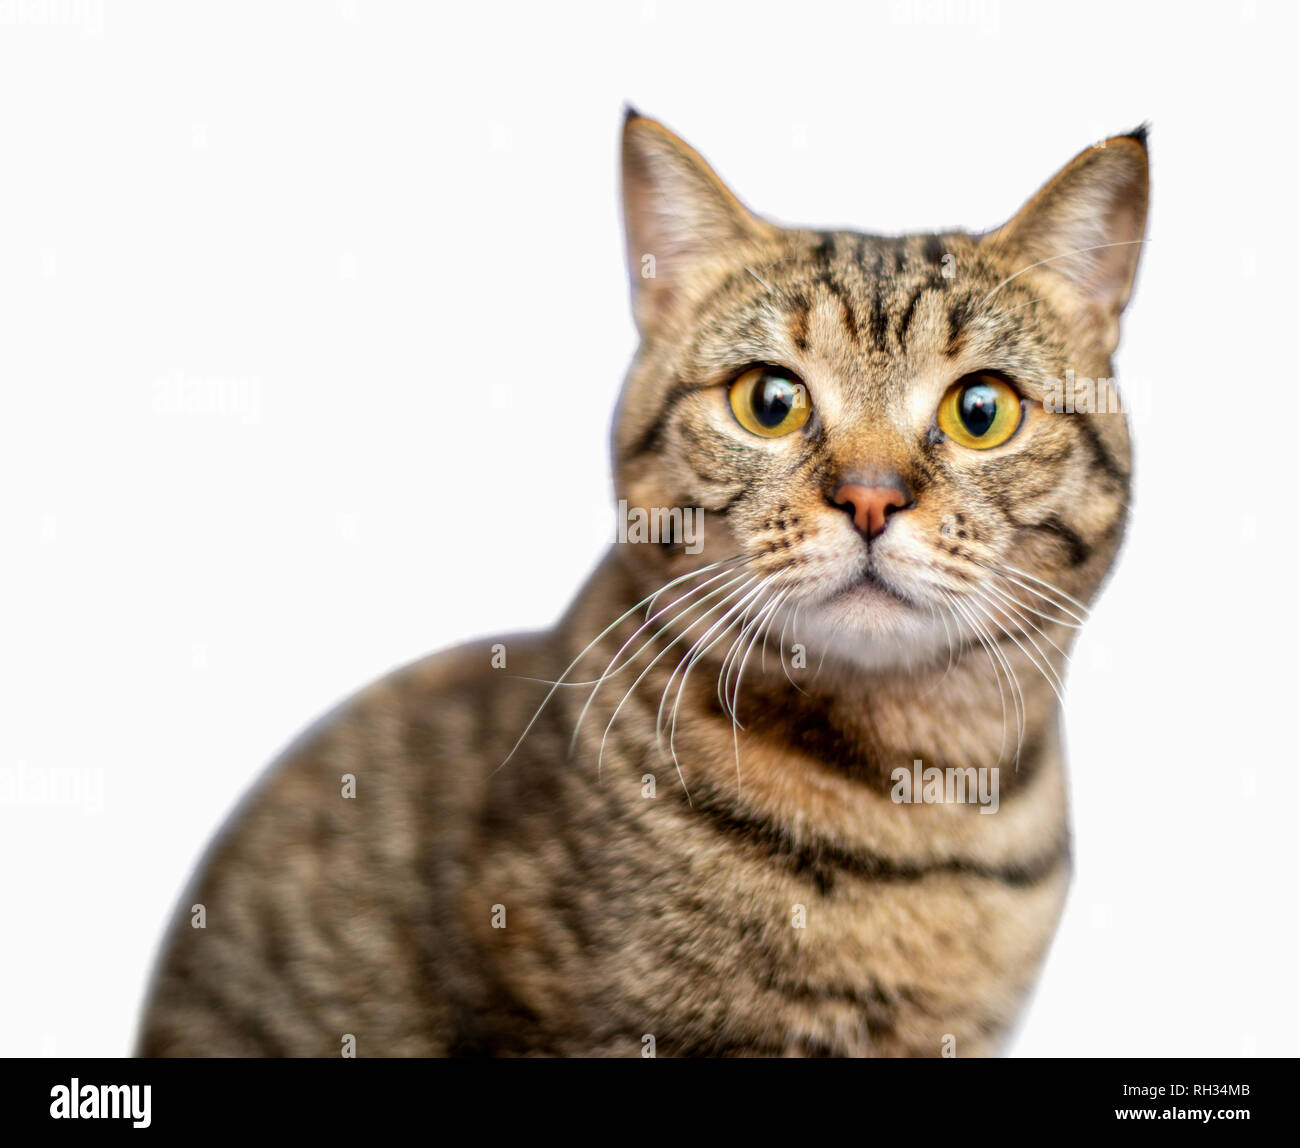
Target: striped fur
column 712, row 858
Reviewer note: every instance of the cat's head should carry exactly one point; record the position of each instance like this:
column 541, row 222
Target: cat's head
column 892, row 432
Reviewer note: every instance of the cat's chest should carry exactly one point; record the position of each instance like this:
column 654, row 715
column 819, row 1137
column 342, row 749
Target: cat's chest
column 891, row 966
column 804, row 947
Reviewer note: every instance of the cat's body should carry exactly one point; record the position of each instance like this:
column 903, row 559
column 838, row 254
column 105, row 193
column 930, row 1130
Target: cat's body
column 718, row 860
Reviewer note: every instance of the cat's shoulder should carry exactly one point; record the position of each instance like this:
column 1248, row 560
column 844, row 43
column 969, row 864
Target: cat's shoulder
column 424, row 733
column 436, row 691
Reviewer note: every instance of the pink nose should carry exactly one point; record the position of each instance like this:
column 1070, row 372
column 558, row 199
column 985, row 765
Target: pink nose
column 869, row 505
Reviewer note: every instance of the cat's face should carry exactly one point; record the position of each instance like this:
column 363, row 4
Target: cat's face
column 875, row 423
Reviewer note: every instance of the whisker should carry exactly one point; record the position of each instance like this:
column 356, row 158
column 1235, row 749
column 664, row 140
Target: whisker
column 732, row 651
column 1017, row 695
column 655, row 637
column 1056, row 619
column 942, row 615
column 735, row 697
column 610, row 670
column 987, row 644
column 1018, row 608
column 725, row 623
column 781, row 645
column 694, row 645
column 1047, row 670
column 600, row 758
column 1062, row 255
column 613, row 625
column 753, row 629
column 1006, row 571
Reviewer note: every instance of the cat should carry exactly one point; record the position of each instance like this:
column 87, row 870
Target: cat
column 672, row 826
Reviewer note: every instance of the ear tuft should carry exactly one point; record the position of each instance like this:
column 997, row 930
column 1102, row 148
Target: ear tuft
column 1140, row 134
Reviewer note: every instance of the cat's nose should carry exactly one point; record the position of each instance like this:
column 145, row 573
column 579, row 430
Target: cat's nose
column 871, row 505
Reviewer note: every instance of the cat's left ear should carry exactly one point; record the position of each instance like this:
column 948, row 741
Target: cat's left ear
column 678, row 216
column 1084, row 230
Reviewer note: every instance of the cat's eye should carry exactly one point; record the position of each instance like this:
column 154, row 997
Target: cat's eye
column 980, row 411
column 770, row 402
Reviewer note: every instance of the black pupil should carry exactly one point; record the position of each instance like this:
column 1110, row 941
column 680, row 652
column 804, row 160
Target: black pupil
column 979, row 407
column 774, row 397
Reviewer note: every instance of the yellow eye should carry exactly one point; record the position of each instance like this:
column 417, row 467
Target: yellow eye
column 980, row 411
column 770, row 402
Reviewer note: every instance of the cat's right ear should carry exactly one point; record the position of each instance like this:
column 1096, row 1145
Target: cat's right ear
column 1084, row 232
column 677, row 215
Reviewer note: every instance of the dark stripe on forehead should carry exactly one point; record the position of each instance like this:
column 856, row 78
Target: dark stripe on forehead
column 959, row 314
column 879, row 321
column 797, row 323
column 827, row 280
column 824, row 252
column 905, row 319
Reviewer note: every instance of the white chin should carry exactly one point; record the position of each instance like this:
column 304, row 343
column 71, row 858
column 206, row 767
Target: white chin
column 869, row 627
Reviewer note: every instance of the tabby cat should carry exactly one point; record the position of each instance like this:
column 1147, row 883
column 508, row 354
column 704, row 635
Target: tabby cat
column 683, row 823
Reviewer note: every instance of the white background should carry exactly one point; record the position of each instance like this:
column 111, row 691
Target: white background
column 312, row 318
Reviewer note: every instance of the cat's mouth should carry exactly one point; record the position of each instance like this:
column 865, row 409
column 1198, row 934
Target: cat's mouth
column 870, row 585
column 868, row 616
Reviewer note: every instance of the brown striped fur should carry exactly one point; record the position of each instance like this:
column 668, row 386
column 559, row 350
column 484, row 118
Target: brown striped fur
column 674, row 915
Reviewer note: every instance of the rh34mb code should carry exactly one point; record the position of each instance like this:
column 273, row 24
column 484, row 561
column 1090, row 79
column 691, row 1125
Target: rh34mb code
column 1158, row 1090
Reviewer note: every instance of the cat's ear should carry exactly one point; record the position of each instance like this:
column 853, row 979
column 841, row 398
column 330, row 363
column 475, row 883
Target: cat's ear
column 677, row 215
column 1084, row 230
